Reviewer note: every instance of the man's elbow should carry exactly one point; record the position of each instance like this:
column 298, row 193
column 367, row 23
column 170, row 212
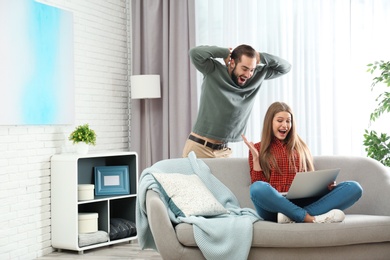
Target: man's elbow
column 286, row 68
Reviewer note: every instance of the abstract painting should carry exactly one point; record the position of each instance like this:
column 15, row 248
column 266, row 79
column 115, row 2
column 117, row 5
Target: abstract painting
column 36, row 64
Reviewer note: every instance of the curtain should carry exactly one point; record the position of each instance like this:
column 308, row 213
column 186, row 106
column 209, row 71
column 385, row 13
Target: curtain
column 162, row 33
column 328, row 42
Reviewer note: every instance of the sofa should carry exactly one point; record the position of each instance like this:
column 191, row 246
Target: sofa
column 364, row 234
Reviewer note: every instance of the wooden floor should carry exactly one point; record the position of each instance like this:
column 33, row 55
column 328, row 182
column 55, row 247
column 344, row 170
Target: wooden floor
column 123, row 251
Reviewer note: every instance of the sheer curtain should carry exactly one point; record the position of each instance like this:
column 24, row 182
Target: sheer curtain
column 328, row 42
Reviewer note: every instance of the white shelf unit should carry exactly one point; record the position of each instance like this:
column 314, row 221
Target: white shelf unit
column 69, row 170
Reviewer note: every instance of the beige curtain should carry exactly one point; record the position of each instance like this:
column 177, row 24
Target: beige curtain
column 163, row 31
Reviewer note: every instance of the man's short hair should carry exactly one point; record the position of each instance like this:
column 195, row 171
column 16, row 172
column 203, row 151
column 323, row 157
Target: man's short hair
column 240, row 50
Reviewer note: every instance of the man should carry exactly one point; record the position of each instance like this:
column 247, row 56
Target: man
column 228, row 94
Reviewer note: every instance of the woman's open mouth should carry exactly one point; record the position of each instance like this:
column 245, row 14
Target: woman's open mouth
column 283, row 132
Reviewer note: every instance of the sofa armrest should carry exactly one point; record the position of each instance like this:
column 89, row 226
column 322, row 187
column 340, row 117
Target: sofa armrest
column 372, row 176
column 161, row 227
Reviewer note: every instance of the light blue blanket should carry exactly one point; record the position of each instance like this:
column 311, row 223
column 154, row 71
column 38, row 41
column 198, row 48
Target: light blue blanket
column 227, row 236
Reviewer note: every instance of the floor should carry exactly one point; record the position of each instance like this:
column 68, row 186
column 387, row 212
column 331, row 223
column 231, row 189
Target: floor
column 123, row 251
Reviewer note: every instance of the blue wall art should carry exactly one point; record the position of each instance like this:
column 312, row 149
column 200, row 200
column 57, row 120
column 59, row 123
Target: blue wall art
column 36, row 64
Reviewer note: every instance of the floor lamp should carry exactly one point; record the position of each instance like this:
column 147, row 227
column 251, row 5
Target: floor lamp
column 146, row 87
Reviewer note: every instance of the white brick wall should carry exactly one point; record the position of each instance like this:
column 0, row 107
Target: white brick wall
column 101, row 73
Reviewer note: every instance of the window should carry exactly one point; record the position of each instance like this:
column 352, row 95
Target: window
column 328, row 42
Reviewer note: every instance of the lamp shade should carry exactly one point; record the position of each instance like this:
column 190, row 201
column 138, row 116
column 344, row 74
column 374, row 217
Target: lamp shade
column 145, row 86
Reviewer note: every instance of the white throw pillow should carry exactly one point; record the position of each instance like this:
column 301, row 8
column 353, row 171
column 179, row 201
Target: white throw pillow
column 187, row 195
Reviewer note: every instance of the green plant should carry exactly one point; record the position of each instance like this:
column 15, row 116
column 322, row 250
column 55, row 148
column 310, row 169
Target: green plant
column 378, row 145
column 83, row 133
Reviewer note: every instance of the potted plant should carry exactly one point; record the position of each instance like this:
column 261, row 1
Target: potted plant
column 378, row 145
column 83, row 136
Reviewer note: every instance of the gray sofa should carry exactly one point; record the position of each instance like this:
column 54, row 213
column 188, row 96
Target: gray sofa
column 364, row 234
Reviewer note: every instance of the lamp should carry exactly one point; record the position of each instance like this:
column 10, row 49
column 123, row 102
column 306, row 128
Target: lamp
column 146, row 87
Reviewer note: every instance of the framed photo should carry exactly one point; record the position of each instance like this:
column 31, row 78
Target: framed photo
column 112, row 180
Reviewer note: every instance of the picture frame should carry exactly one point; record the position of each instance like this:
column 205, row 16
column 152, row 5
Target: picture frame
column 112, row 180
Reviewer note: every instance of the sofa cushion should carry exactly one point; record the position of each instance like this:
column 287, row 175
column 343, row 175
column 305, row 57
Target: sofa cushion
column 187, row 195
column 355, row 229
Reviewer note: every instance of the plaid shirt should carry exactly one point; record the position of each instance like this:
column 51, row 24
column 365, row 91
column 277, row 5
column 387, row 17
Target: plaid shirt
column 280, row 181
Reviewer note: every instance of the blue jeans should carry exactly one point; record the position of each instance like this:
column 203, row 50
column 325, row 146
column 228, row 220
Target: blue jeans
column 268, row 201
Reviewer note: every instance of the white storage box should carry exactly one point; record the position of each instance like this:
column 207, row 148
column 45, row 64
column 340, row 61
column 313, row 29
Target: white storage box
column 86, row 191
column 88, row 222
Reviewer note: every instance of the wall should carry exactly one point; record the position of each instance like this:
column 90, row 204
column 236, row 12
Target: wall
column 101, row 79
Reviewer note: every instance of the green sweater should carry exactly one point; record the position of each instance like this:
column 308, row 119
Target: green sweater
column 225, row 107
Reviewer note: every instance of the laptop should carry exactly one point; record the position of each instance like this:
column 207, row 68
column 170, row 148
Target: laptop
column 311, row 184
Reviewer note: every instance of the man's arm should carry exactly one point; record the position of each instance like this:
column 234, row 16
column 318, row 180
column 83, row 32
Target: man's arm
column 203, row 57
column 274, row 65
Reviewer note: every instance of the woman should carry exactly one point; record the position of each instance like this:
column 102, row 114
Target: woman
column 273, row 164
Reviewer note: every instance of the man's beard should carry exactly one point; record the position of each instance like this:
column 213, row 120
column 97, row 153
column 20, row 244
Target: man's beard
column 234, row 77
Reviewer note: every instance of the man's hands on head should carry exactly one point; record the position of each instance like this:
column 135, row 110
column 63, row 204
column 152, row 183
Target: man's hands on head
column 257, row 57
column 227, row 59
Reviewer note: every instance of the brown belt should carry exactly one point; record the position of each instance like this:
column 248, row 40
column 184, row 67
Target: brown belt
column 208, row 144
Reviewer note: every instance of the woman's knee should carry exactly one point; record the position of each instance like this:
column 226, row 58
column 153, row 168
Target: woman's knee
column 260, row 188
column 354, row 188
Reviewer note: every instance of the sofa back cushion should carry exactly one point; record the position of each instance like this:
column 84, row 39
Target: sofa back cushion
column 234, row 173
column 372, row 176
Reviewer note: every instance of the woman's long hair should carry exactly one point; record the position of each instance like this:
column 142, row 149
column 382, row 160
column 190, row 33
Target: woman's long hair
column 294, row 144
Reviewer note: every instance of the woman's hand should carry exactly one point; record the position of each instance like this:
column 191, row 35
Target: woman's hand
column 251, row 147
column 332, row 185
column 254, row 153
